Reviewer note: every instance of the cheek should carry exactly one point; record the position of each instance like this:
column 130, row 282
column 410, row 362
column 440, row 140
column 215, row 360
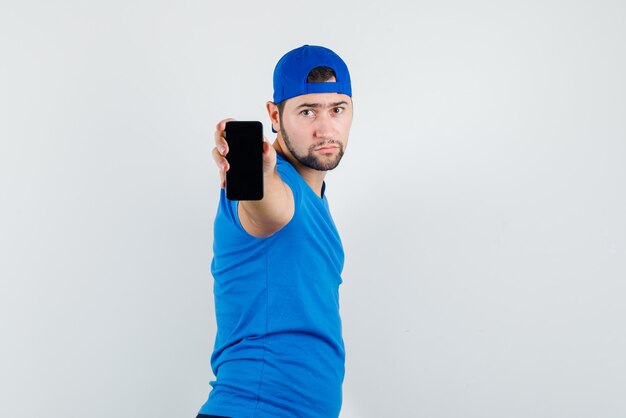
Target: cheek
column 301, row 128
column 292, row 124
column 344, row 128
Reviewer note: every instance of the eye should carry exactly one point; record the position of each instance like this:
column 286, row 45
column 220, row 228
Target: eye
column 307, row 112
column 338, row 110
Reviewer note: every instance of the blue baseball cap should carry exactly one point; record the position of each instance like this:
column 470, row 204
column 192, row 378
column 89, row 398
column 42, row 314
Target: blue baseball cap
column 291, row 72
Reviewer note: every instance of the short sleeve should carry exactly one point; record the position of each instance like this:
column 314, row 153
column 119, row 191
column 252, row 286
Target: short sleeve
column 291, row 177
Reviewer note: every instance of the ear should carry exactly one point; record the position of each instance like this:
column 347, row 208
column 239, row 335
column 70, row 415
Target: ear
column 272, row 112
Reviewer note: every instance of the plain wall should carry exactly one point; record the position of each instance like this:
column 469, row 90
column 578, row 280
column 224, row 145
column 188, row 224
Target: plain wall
column 481, row 201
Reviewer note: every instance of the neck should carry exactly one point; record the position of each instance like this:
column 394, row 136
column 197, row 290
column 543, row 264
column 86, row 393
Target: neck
column 314, row 178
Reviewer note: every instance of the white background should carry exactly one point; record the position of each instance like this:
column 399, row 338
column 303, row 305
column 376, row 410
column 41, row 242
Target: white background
column 481, row 201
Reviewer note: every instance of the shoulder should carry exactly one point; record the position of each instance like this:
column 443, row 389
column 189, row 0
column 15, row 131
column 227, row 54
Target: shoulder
column 289, row 174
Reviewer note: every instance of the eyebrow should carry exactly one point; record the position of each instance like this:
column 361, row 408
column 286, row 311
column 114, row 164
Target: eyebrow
column 318, row 105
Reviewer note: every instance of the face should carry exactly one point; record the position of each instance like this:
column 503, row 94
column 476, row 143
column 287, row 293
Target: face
column 315, row 128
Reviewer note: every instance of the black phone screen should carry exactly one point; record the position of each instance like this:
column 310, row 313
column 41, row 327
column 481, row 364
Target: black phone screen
column 244, row 178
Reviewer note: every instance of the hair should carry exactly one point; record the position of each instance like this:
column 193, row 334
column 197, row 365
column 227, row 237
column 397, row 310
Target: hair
column 316, row 75
column 320, row 75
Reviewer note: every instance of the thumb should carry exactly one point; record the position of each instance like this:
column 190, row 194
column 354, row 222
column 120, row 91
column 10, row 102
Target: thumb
column 269, row 156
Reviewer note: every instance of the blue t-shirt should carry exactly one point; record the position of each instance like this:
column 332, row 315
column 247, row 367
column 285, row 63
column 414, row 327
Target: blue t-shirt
column 278, row 349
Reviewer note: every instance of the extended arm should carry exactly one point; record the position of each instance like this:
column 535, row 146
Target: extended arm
column 265, row 217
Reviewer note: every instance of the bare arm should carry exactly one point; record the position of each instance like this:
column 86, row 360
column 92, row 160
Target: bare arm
column 264, row 217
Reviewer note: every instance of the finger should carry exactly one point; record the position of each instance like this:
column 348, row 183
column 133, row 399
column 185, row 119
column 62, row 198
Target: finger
column 221, row 125
column 220, row 141
column 220, row 161
column 222, row 164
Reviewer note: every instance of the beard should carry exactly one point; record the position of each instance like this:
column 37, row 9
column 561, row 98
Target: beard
column 311, row 160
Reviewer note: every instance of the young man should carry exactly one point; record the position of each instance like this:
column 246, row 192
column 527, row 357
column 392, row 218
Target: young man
column 277, row 262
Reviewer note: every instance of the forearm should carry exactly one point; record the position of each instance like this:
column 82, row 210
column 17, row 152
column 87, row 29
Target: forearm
column 265, row 217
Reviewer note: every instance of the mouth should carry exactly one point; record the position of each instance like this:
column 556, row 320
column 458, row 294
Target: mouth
column 327, row 148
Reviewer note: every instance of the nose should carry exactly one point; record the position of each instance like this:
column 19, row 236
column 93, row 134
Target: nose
column 324, row 127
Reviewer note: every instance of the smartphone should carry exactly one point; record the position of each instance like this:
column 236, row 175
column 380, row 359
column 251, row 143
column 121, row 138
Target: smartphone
column 244, row 178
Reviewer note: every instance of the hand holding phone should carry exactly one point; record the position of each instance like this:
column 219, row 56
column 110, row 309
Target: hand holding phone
column 244, row 177
column 261, row 218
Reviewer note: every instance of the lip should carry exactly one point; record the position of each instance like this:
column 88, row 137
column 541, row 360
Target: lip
column 327, row 148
